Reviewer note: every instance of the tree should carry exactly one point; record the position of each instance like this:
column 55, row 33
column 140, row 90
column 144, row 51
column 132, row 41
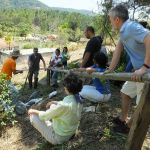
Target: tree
column 8, row 40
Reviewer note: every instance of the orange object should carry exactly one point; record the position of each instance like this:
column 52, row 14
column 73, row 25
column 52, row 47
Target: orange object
column 9, row 67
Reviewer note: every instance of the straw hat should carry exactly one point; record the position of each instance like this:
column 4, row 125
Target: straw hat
column 15, row 53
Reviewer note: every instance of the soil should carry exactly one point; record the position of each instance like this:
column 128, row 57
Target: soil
column 95, row 131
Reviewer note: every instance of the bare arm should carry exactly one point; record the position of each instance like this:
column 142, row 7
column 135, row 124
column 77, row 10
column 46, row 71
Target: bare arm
column 43, row 62
column 17, row 71
column 147, row 46
column 85, row 59
column 140, row 72
column 116, row 56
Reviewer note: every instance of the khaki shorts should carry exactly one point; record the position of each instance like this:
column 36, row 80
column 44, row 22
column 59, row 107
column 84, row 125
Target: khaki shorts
column 133, row 89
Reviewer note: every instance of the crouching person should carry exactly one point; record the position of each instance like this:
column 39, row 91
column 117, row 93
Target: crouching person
column 59, row 122
column 100, row 90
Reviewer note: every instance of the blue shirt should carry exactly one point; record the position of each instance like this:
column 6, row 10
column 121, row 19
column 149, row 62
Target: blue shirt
column 132, row 37
column 101, row 85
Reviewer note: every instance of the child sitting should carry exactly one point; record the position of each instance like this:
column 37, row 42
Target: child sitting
column 64, row 115
column 56, row 62
column 65, row 57
column 100, row 91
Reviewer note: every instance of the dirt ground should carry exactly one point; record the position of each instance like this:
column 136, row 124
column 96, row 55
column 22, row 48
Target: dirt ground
column 95, row 131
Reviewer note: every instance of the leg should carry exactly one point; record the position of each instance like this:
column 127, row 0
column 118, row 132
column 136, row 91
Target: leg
column 139, row 92
column 125, row 105
column 90, row 93
column 54, row 78
column 128, row 91
column 30, row 75
column 44, row 128
column 36, row 73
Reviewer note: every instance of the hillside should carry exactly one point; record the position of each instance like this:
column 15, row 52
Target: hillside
column 35, row 4
column 22, row 4
column 81, row 11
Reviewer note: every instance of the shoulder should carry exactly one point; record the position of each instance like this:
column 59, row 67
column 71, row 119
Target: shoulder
column 31, row 55
column 94, row 40
column 135, row 26
column 10, row 60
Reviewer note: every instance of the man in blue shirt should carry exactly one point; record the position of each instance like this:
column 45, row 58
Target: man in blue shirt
column 136, row 41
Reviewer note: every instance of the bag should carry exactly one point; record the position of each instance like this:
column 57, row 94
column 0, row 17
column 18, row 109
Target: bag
column 104, row 50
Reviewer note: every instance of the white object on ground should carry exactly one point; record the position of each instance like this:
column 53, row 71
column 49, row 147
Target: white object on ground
column 52, row 94
column 89, row 109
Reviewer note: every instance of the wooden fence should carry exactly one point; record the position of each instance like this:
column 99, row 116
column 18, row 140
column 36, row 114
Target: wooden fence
column 141, row 118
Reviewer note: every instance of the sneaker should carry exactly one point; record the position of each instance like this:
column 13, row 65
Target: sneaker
column 117, row 121
column 123, row 128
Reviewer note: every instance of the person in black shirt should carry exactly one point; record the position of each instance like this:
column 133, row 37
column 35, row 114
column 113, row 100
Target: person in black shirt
column 34, row 66
column 93, row 46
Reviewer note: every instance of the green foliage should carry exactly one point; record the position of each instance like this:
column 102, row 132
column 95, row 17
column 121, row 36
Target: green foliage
column 107, row 133
column 24, row 21
column 73, row 65
column 8, row 39
column 7, row 114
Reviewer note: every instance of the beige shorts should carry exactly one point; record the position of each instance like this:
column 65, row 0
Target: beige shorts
column 133, row 89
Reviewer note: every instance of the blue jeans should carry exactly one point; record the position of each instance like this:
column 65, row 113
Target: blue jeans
column 54, row 78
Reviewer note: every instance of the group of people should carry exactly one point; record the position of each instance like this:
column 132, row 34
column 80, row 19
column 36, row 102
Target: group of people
column 61, row 119
column 58, row 60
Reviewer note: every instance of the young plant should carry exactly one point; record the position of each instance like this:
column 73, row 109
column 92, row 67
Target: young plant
column 7, row 115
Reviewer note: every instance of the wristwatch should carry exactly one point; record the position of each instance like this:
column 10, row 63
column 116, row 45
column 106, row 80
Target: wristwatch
column 146, row 66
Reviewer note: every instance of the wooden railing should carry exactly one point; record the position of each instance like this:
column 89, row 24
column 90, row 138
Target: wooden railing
column 141, row 118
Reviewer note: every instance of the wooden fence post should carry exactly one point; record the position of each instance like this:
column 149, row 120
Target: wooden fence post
column 141, row 121
column 48, row 77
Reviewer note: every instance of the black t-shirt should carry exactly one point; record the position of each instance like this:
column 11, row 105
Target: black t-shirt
column 35, row 61
column 93, row 46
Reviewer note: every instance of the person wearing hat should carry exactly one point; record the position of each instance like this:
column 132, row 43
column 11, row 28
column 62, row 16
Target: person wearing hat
column 9, row 68
column 34, row 66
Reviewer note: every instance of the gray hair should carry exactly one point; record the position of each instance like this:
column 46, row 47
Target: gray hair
column 119, row 11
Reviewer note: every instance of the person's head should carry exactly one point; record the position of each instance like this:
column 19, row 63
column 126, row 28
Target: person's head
column 35, row 50
column 143, row 23
column 15, row 54
column 118, row 15
column 100, row 59
column 89, row 32
column 65, row 49
column 57, row 51
column 72, row 84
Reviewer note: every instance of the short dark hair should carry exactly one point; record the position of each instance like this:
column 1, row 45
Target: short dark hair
column 143, row 23
column 65, row 49
column 73, row 83
column 58, row 50
column 101, row 59
column 120, row 11
column 90, row 28
column 35, row 49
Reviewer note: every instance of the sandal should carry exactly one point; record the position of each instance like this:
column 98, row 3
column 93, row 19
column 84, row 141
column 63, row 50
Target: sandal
column 117, row 121
column 122, row 128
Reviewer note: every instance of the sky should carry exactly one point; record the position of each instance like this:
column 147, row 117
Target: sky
column 76, row 4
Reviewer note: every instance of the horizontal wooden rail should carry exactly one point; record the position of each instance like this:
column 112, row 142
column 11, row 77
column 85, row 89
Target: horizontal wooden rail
column 110, row 76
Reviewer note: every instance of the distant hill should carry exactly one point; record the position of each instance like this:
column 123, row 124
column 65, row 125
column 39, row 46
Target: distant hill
column 22, row 4
column 82, row 11
column 35, row 4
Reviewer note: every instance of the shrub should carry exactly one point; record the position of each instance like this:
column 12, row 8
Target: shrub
column 7, row 114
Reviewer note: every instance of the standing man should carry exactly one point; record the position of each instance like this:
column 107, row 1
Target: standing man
column 34, row 66
column 93, row 46
column 9, row 68
column 135, row 40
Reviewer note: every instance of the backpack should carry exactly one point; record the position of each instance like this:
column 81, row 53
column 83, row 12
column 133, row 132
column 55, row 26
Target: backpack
column 103, row 50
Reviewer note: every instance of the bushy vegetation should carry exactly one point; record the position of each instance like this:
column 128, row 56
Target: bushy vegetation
column 23, row 21
column 7, row 114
